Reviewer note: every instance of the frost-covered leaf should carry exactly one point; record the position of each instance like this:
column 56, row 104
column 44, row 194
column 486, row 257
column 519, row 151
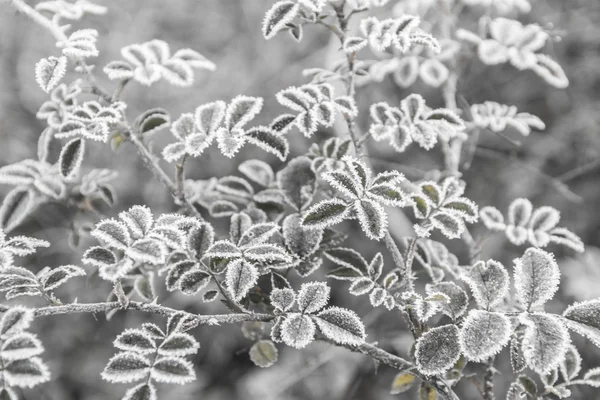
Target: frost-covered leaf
column 263, row 353
column 14, row 320
column 283, row 299
column 536, row 277
column 361, row 286
column 223, row 249
column 126, row 367
column 312, row 297
column 438, row 349
column 242, row 110
column 450, row 225
column 16, row 205
column 267, row 253
column 484, row 334
column 58, row 276
column 488, row 282
column 298, row 182
column 278, row 16
column 258, row 234
column 326, row 213
column 341, row 325
column 297, row 330
column 26, row 373
column 148, row 250
column 458, row 298
column 139, row 220
column 21, row 346
column 348, row 258
column 584, row 318
column 298, row 239
column 258, row 171
column 99, row 257
column 200, row 239
column 241, row 277
column 173, row 370
column 118, row 70
column 143, row 391
column 492, row 218
column 135, row 340
column 210, row 295
column 268, row 140
column 23, row 245
column 433, row 72
column 193, row 281
column 372, row 218
column 571, row 365
column 70, row 157
column 353, row 44
column 49, row 71
column 545, row 341
column 178, row 344
column 550, row 71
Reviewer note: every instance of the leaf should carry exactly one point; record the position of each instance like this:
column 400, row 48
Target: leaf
column 257, row 171
column 17, row 204
column 283, row 123
column 550, row 71
column 112, row 232
column 349, row 258
column 407, row 71
column 58, row 276
column 194, row 59
column 438, row 349
column 492, row 218
column 344, row 273
column 143, row 391
column 312, row 297
column 210, row 295
column 21, row 346
column 326, row 213
column 135, row 340
column 267, row 253
column 584, row 318
column 341, row 325
column 99, row 257
column 278, row 16
column 223, row 249
column 26, row 373
column 148, row 250
column 118, row 70
column 298, row 182
column 173, row 370
column 263, row 353
column 297, row 330
column 241, row 277
column 208, row 117
column 450, row 225
column 283, row 299
column 178, row 344
column 372, row 218
column 223, row 208
column 298, row 239
column 200, row 239
column 139, row 220
column 361, row 286
column 344, row 183
column 126, row 367
column 14, row 320
column 484, row 334
column 571, row 365
column 193, row 282
column 152, row 120
column 545, row 341
column 49, row 71
column 268, row 140
column 402, row 382
column 458, row 298
column 346, row 105
column 144, row 287
column 536, row 277
column 488, row 282
column 353, row 44
column 177, row 72
column 258, row 234
column 70, row 157
column 242, row 110
column 433, row 72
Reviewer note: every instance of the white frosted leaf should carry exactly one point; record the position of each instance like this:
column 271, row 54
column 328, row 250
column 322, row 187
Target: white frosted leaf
column 584, row 318
column 113, row 233
column 372, row 218
column 263, row 353
column 353, row 44
column 343, row 182
column 99, row 257
column 200, row 239
column 433, row 72
column 242, row 110
column 488, row 282
column 208, row 117
column 377, row 296
column 16, row 205
column 26, row 373
column 118, row 70
column 348, row 258
column 267, row 253
column 545, row 341
column 484, row 334
column 179, row 344
column 280, row 14
column 135, row 340
column 49, row 71
column 592, row 377
column 376, row 266
column 312, row 297
column 223, row 249
column 148, row 250
column 341, row 325
column 464, row 207
column 407, row 71
column 81, row 44
column 544, row 218
column 70, row 157
column 458, row 299
column 21, row 346
column 58, row 276
column 126, row 367
column 297, row 330
column 492, row 52
column 297, row 182
column 269, row 141
column 283, row 299
column 536, row 277
column 17, row 174
column 143, row 391
column 14, row 320
column 571, row 365
column 193, row 282
column 361, row 286
column 298, row 239
column 550, row 71
column 177, row 72
column 492, row 218
column 326, row 213
column 567, row 238
column 388, row 194
column 519, row 212
column 139, row 220
column 241, row 277
column 194, row 59
column 346, row 105
column 23, row 245
column 257, row 171
column 438, row 349
column 449, row 224
column 173, row 370
column 230, row 143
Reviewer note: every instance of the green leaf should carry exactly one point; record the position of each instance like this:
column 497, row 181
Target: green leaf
column 263, row 353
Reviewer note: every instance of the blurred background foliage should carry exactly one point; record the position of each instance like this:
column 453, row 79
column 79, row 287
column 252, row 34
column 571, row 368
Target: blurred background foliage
column 559, row 167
